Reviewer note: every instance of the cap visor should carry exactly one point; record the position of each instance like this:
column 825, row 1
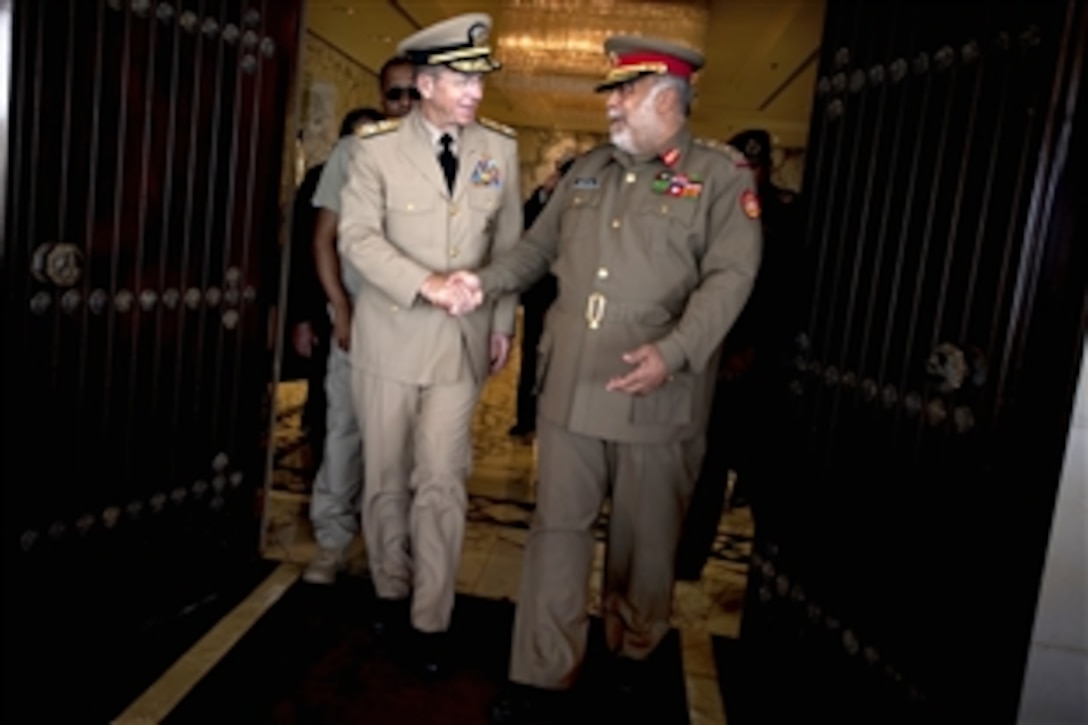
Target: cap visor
column 618, row 79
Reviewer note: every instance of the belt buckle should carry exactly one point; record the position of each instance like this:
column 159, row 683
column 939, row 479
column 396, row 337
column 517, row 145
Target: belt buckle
column 595, row 305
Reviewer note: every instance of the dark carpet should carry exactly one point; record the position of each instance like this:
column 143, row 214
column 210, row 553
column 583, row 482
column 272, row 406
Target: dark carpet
column 313, row 660
column 771, row 682
column 81, row 643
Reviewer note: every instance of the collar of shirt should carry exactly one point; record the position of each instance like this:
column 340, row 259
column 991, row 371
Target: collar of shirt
column 436, row 134
column 681, row 141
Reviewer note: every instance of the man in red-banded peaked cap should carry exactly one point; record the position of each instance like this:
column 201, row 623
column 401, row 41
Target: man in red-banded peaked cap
column 633, row 57
column 655, row 243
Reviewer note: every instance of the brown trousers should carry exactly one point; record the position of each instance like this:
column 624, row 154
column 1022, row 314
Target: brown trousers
column 650, row 486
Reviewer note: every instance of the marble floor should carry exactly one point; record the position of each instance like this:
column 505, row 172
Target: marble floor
column 501, row 490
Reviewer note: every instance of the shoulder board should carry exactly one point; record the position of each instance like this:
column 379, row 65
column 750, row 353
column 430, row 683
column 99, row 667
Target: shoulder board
column 376, row 129
column 734, row 155
column 497, row 127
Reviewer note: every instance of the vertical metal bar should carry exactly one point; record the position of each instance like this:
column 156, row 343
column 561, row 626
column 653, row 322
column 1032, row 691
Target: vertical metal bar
column 833, row 187
column 31, row 240
column 904, row 227
column 863, row 222
column 247, row 240
column 228, row 231
column 1051, row 151
column 856, row 244
column 62, row 193
column 141, row 241
column 89, row 229
column 282, row 234
column 5, row 124
column 209, row 218
column 1012, row 236
column 167, row 209
column 957, row 207
column 984, row 211
column 66, row 126
column 187, row 235
column 882, row 234
column 927, row 234
column 118, row 198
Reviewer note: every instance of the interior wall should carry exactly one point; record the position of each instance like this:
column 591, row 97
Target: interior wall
column 1055, row 688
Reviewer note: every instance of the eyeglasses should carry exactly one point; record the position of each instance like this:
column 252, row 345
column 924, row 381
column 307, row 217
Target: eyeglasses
column 399, row 94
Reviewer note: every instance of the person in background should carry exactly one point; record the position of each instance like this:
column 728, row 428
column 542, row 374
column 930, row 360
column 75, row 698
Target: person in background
column 334, row 503
column 535, row 301
column 758, row 344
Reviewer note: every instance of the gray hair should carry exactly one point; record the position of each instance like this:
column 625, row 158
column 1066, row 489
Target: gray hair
column 685, row 94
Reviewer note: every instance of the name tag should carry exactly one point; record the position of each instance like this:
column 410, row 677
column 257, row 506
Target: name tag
column 584, row 183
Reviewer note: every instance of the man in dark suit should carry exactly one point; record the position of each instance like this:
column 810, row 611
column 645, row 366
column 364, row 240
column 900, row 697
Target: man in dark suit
column 753, row 350
column 535, row 301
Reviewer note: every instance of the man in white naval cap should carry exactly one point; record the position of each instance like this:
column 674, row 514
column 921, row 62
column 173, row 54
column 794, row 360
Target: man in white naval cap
column 428, row 194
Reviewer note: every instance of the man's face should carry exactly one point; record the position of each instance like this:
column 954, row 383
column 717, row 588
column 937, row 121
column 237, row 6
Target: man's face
column 633, row 119
column 398, row 91
column 451, row 98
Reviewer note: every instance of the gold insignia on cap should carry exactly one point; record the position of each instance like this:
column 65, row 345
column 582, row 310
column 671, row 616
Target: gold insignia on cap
column 477, row 35
column 461, row 43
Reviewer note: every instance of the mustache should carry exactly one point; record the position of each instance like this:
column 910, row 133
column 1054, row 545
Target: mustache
column 615, row 116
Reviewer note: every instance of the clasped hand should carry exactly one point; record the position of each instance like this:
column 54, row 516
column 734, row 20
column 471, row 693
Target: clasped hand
column 458, row 293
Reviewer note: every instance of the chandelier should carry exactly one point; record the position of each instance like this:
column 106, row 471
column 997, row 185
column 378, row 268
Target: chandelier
column 566, row 37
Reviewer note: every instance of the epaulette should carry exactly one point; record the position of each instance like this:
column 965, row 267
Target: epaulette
column 376, row 129
column 734, row 155
column 498, row 127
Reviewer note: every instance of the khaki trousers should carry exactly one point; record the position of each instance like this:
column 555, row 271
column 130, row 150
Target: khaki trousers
column 334, row 506
column 650, row 487
column 418, row 441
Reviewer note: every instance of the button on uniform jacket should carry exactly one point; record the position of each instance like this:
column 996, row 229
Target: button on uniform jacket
column 399, row 223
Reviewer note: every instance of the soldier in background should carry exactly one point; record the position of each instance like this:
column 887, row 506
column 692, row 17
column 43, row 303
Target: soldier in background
column 535, row 301
column 757, row 346
column 309, row 297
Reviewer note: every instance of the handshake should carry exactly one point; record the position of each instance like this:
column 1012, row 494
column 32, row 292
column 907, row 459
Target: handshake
column 458, row 293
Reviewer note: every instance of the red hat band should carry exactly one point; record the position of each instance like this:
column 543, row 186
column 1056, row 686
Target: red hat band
column 672, row 64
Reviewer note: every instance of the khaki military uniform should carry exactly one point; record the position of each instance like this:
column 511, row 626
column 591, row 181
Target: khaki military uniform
column 644, row 252
column 418, row 370
column 333, row 504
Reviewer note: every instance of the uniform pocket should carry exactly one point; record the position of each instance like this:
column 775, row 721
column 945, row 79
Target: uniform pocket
column 672, row 404
column 484, row 204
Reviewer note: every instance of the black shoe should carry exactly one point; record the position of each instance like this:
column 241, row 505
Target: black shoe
column 390, row 618
column 519, row 704
column 689, row 573
column 628, row 678
column 430, row 656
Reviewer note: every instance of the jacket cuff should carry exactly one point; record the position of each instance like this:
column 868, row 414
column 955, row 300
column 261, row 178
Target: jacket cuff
column 672, row 353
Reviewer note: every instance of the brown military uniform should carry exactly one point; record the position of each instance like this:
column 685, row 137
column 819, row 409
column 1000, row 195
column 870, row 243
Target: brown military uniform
column 418, row 370
column 644, row 252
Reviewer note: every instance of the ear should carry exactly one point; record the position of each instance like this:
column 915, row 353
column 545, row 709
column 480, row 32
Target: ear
column 666, row 98
column 425, row 84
